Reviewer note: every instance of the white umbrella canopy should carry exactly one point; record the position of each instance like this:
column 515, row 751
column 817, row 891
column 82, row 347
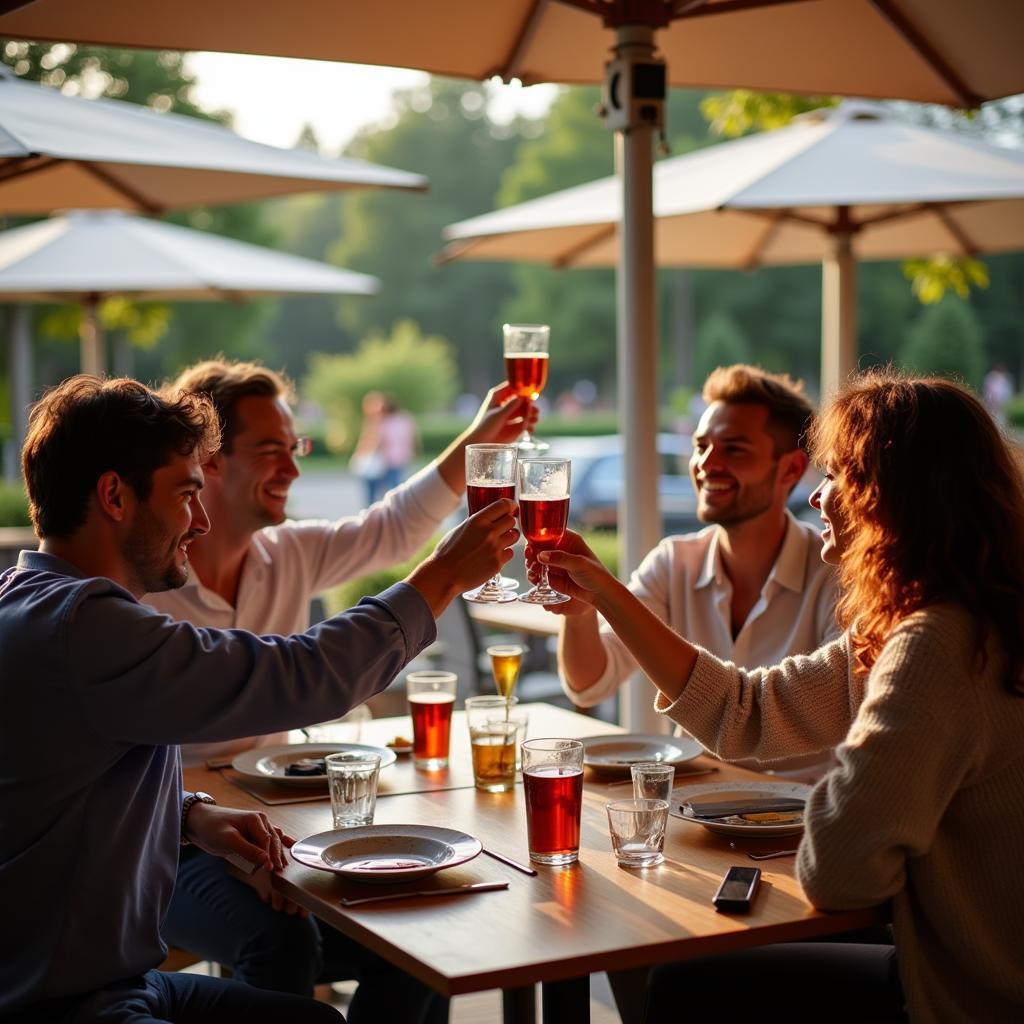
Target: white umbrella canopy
column 942, row 51
column 66, row 152
column 851, row 175
column 86, row 256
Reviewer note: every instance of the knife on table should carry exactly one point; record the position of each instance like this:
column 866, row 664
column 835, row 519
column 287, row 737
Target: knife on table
column 728, row 808
column 456, row 890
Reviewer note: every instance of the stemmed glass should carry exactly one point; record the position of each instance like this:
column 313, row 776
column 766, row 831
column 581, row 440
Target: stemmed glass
column 505, row 662
column 490, row 476
column 526, row 366
column 543, row 513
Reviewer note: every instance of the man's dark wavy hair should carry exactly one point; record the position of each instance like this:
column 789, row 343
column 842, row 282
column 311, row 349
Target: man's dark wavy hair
column 86, row 427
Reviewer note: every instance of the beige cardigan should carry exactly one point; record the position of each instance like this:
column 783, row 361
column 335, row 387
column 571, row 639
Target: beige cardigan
column 926, row 806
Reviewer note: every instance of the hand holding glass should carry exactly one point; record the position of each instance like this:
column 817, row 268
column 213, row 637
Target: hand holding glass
column 543, row 514
column 490, row 476
column 526, row 366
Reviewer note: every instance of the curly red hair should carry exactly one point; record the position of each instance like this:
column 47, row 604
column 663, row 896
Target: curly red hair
column 932, row 497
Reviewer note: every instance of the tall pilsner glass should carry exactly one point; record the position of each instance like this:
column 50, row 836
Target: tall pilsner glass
column 526, row 367
column 490, row 476
column 543, row 514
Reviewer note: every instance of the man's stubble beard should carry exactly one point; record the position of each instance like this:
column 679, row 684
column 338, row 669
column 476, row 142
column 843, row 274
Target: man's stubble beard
column 155, row 570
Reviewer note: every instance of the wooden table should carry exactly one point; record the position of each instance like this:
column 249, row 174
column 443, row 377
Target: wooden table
column 562, row 925
column 516, row 617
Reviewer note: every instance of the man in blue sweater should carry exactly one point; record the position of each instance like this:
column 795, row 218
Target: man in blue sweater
column 97, row 690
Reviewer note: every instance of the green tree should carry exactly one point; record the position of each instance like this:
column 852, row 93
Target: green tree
column 443, row 131
column 419, row 371
column 946, row 339
column 720, row 342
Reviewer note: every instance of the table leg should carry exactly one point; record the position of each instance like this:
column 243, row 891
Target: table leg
column 519, row 1005
column 566, row 1002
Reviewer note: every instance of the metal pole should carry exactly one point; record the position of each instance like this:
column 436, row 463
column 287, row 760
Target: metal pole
column 90, row 334
column 20, row 366
column 639, row 518
column 838, row 315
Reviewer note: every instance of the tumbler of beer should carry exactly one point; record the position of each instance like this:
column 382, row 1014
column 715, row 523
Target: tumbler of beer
column 490, row 476
column 431, row 700
column 543, row 514
column 553, row 783
column 505, row 662
column 492, row 739
column 526, row 367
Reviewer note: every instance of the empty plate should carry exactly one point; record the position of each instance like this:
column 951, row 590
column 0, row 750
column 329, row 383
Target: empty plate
column 386, row 853
column 786, row 823
column 272, row 762
column 614, row 754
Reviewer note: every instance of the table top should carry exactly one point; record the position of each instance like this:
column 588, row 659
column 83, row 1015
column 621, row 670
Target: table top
column 564, row 923
column 516, row 617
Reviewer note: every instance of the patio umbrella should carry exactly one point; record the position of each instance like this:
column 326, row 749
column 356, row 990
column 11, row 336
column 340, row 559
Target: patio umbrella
column 87, row 256
column 66, row 152
column 837, row 186
column 942, row 51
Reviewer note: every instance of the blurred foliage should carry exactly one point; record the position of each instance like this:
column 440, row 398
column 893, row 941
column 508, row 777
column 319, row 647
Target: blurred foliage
column 946, row 339
column 417, row 370
column 1015, row 415
column 930, row 279
column 720, row 342
column 13, row 505
column 742, row 111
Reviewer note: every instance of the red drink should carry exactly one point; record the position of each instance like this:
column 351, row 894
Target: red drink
column 527, row 373
column 480, row 496
column 431, row 727
column 554, row 801
column 543, row 521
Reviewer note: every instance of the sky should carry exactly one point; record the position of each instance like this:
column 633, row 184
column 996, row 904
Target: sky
column 273, row 97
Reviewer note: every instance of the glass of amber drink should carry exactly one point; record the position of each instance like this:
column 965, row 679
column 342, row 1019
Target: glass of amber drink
column 543, row 514
column 505, row 662
column 526, row 367
column 431, row 700
column 490, row 476
column 553, row 782
column 492, row 738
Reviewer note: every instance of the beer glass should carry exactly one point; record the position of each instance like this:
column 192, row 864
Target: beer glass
column 490, row 476
column 505, row 662
column 543, row 514
column 553, row 782
column 431, row 700
column 492, row 739
column 526, row 367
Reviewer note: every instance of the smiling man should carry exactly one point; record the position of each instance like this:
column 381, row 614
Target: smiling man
column 256, row 570
column 751, row 587
column 98, row 689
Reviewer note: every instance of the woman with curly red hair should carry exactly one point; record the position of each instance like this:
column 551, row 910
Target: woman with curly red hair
column 923, row 511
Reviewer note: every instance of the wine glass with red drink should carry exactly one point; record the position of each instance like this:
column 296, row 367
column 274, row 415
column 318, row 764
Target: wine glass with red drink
column 543, row 513
column 490, row 476
column 526, row 367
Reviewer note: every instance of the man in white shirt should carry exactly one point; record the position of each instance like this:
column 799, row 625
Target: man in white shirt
column 751, row 587
column 257, row 571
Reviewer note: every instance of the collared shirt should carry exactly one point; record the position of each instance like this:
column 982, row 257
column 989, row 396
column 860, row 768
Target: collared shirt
column 287, row 565
column 96, row 691
column 683, row 581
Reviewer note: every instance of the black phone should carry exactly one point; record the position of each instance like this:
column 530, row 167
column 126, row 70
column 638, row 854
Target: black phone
column 736, row 893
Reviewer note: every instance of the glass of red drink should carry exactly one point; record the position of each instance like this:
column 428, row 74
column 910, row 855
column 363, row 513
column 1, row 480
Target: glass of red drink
column 543, row 513
column 491, row 475
column 431, row 700
column 553, row 784
column 526, row 367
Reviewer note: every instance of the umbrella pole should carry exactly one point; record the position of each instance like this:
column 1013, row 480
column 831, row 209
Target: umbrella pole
column 639, row 517
column 838, row 314
column 90, row 335
column 20, row 366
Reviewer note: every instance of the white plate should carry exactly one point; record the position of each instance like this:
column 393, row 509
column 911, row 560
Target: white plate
column 386, row 853
column 270, row 762
column 614, row 754
column 741, row 791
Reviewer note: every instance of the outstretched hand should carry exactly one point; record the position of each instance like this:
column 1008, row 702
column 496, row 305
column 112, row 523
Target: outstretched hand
column 471, row 553
column 502, row 417
column 573, row 569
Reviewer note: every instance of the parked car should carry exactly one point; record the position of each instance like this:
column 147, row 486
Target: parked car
column 597, row 482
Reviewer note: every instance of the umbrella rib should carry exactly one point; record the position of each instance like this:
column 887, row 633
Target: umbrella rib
column 112, row 181
column 958, row 233
column 699, row 8
column 902, row 24
column 511, row 64
column 20, row 166
column 569, row 257
column 774, row 221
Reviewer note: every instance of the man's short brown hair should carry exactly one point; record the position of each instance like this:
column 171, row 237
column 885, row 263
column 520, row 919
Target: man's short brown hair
column 86, row 427
column 226, row 382
column 790, row 413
